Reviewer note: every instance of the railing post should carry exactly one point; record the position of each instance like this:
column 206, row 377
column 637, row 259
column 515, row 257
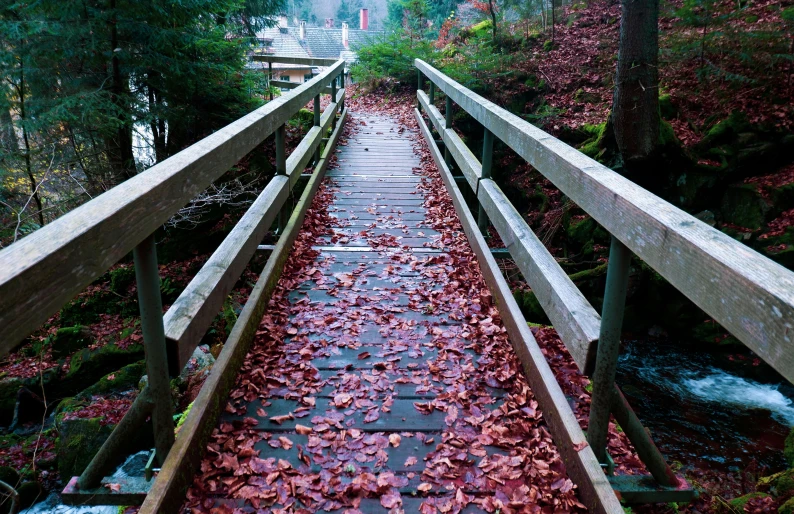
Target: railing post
column 608, row 347
column 432, row 95
column 270, row 79
column 447, row 125
column 333, row 89
column 147, row 277
column 281, row 168
column 317, row 124
column 487, row 164
column 419, row 86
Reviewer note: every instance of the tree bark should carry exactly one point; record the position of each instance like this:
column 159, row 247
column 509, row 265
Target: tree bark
column 635, row 105
column 120, row 147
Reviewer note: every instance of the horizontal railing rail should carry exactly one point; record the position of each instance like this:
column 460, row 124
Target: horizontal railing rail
column 747, row 293
column 308, row 61
column 46, row 269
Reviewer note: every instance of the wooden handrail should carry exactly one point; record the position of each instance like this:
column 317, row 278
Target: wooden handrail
column 46, row 269
column 192, row 313
column 747, row 293
column 308, row 61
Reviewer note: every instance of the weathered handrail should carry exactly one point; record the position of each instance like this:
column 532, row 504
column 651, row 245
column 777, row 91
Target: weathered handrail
column 747, row 293
column 46, row 269
column 308, row 61
column 751, row 296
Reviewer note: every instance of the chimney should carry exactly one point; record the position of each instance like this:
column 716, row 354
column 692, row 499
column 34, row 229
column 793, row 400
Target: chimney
column 329, row 23
column 303, row 29
column 363, row 19
column 344, row 35
column 282, row 22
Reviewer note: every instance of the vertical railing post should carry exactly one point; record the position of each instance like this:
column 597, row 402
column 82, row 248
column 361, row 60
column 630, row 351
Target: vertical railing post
column 447, row 125
column 487, row 164
column 419, row 86
column 270, row 79
column 608, row 347
column 281, row 168
column 432, row 95
column 147, row 276
column 317, row 124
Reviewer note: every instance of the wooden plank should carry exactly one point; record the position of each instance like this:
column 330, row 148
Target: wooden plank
column 308, row 61
column 747, row 293
column 46, row 269
column 168, row 490
column 580, row 461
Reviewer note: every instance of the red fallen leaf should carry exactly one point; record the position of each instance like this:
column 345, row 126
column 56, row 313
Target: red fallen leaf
column 424, row 487
column 261, row 412
column 363, row 355
column 281, row 419
column 303, row 430
column 580, row 446
column 285, row 442
column 395, row 439
column 114, row 487
column 372, row 415
column 343, row 400
column 292, row 331
column 391, row 499
column 410, row 461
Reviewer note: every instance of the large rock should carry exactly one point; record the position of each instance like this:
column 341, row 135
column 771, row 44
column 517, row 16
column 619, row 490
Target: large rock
column 9, row 387
column 68, row 340
column 124, row 379
column 788, row 450
column 78, row 442
column 88, row 366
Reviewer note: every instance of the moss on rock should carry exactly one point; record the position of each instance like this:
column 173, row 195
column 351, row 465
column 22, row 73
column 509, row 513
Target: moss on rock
column 88, row 366
column 77, row 444
column 123, row 379
column 30, row 493
column 737, row 504
column 68, row 340
column 9, row 387
column 121, row 279
column 788, row 449
column 743, row 205
column 9, row 475
column 787, row 508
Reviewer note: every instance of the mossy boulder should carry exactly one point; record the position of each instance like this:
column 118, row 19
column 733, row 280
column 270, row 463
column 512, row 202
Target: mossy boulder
column 9, row 387
column 580, row 230
column 9, row 475
column 530, row 307
column 737, row 504
column 89, row 365
column 121, row 279
column 124, row 379
column 667, row 110
column 68, row 340
column 77, row 444
column 30, row 493
column 743, row 205
column 788, row 449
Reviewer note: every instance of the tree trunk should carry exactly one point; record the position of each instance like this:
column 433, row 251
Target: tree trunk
column 120, row 147
column 635, row 106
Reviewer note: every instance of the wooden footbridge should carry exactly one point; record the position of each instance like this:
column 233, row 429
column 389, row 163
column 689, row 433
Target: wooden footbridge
column 330, row 394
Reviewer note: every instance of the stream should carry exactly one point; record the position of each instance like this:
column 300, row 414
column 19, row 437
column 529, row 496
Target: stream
column 710, row 411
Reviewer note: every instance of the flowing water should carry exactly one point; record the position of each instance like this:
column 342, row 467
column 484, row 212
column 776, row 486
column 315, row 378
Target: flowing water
column 707, row 410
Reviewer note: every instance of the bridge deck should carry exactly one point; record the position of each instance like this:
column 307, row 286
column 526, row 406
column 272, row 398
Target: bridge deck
column 381, row 375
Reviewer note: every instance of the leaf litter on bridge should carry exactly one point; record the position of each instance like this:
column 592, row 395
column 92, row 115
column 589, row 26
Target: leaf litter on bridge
column 493, row 451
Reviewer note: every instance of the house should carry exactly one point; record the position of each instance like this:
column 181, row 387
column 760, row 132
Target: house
column 326, row 42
